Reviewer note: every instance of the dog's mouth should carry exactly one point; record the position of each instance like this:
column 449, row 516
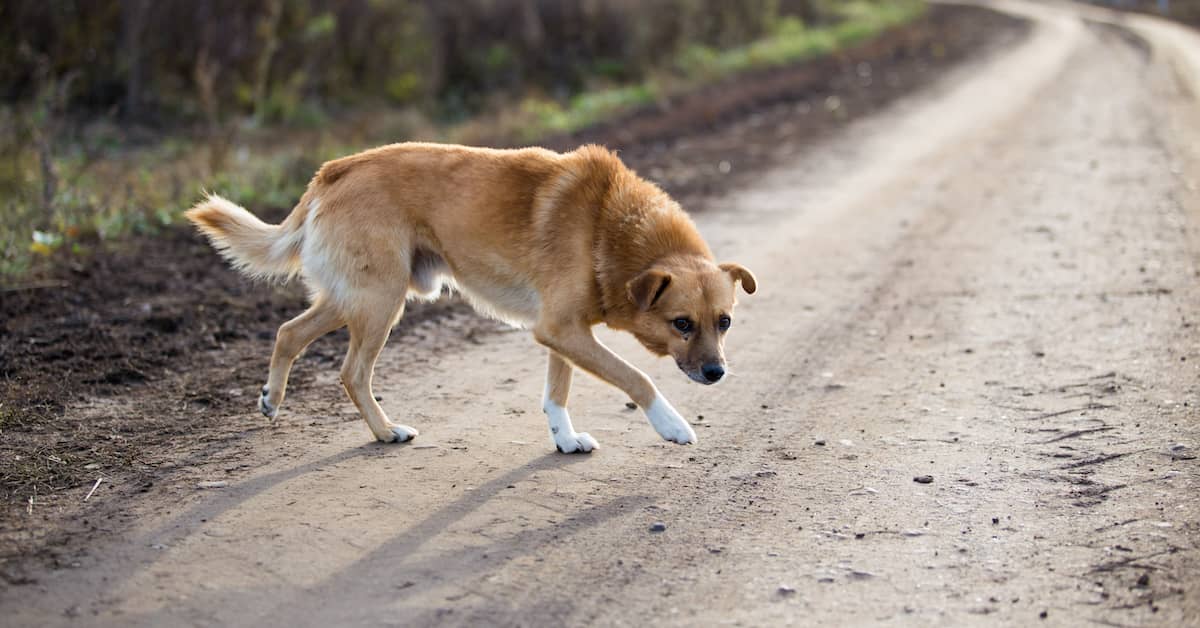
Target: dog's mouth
column 695, row 375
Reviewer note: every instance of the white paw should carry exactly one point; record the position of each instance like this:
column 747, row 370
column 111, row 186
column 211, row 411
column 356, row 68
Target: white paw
column 402, row 433
column 265, row 406
column 668, row 422
column 566, row 439
column 575, row 442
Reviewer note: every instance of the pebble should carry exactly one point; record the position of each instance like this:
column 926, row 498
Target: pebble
column 216, row 484
column 631, row 405
column 658, row 526
column 786, row 590
column 820, row 443
column 923, row 479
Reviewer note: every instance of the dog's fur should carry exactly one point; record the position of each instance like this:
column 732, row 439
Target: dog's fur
column 554, row 242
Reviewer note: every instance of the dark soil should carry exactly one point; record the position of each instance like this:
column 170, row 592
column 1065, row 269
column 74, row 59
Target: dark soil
column 158, row 349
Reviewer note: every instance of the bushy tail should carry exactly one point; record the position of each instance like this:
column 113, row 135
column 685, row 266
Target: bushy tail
column 253, row 247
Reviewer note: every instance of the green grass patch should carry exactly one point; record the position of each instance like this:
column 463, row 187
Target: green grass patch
column 793, row 42
column 583, row 110
column 790, row 42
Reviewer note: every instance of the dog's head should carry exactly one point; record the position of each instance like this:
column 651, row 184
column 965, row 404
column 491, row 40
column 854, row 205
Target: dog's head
column 684, row 308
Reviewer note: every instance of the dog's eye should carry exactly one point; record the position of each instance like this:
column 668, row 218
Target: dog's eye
column 724, row 322
column 682, row 324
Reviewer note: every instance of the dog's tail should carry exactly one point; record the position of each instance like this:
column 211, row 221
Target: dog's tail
column 252, row 246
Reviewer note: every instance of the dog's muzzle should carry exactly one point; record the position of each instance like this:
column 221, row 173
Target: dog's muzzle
column 707, row 374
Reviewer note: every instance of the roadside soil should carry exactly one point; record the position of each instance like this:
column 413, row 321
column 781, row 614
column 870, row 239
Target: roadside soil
column 141, row 361
column 965, row 394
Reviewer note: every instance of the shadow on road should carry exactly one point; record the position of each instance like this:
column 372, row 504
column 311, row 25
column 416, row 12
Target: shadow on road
column 386, row 571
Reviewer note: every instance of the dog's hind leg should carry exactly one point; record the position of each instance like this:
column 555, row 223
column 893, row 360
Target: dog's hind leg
column 370, row 324
column 554, row 403
column 292, row 338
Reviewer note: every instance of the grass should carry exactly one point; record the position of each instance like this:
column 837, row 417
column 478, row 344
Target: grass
column 103, row 190
column 790, row 42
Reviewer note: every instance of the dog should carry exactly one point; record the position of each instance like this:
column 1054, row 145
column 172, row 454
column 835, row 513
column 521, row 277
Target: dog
column 552, row 242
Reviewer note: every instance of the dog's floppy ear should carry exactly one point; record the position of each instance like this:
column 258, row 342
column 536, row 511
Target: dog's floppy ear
column 740, row 273
column 645, row 289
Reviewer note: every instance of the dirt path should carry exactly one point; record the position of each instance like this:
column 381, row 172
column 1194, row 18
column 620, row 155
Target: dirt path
column 993, row 284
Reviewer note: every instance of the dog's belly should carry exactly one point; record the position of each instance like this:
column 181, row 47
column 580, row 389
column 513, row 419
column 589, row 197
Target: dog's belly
column 514, row 302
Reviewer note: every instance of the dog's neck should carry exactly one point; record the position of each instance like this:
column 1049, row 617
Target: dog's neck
column 639, row 227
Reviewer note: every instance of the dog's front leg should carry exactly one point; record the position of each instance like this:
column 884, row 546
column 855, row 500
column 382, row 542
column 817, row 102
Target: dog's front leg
column 554, row 403
column 576, row 342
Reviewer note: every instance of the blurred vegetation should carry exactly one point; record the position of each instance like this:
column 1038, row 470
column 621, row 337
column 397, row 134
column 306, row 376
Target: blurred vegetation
column 1187, row 11
column 114, row 114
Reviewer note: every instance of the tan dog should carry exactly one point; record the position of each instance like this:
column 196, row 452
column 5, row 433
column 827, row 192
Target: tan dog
column 554, row 242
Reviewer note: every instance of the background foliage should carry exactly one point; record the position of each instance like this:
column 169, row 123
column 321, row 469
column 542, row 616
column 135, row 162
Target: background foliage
column 113, row 113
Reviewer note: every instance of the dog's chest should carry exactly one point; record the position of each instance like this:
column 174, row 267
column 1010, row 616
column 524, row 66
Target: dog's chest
column 505, row 298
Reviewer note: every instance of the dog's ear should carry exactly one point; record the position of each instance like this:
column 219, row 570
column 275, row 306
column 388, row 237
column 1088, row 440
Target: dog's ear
column 740, row 273
column 645, row 289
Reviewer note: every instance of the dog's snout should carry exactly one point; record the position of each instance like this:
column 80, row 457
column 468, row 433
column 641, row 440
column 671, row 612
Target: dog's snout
column 713, row 372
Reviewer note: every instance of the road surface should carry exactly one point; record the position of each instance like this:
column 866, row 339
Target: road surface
column 992, row 285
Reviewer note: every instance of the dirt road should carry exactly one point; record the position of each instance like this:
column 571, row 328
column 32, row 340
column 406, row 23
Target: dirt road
column 992, row 286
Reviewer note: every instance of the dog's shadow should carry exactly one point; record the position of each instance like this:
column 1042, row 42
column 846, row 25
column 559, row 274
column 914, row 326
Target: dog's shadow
column 390, row 573
column 386, row 571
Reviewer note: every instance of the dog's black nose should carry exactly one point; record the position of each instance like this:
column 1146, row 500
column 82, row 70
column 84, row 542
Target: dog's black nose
column 713, row 372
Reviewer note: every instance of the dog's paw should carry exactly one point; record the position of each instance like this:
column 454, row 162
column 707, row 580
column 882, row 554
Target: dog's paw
column 575, row 443
column 669, row 423
column 264, row 405
column 565, row 438
column 401, row 433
